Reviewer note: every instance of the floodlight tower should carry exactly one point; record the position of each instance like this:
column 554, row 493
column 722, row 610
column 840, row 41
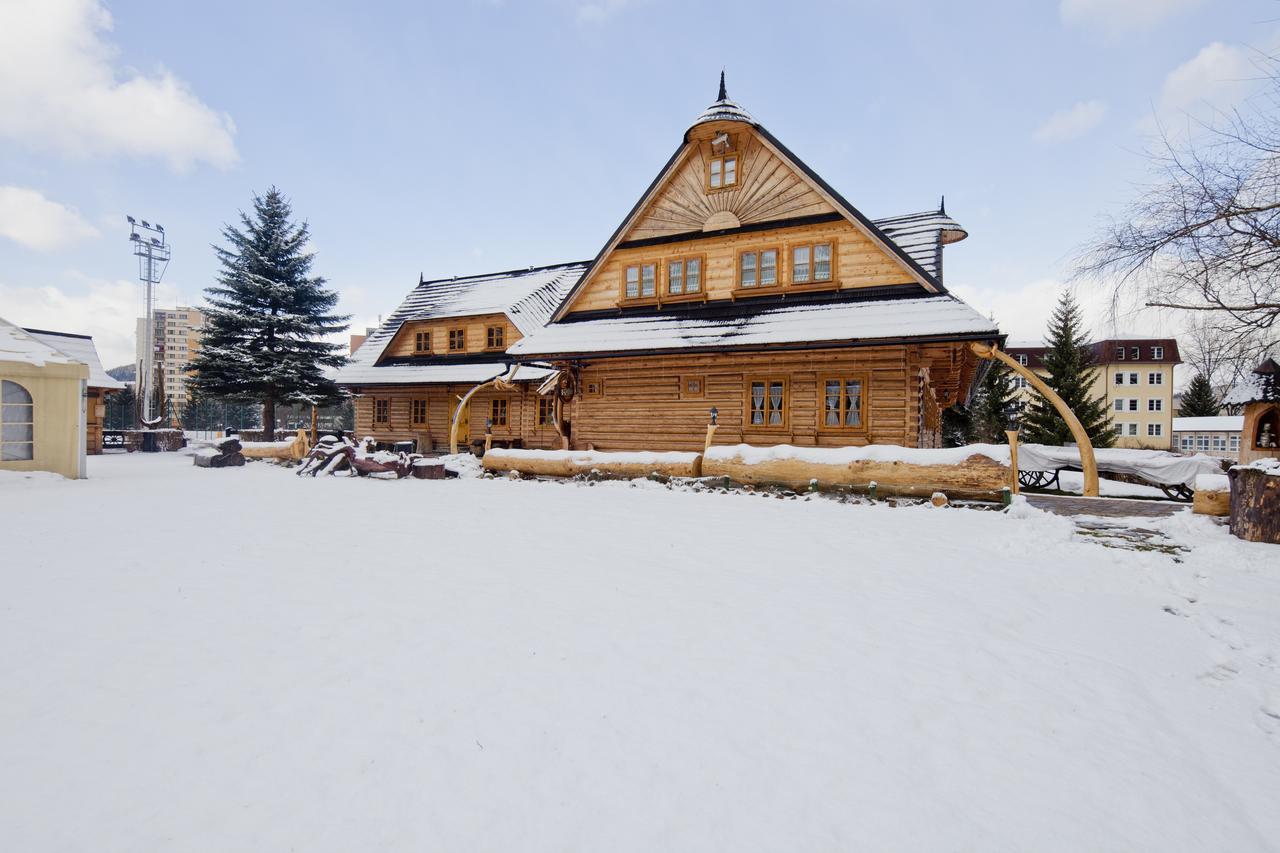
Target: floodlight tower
column 153, row 259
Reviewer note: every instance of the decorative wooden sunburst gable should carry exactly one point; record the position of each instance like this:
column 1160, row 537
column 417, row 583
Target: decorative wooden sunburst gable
column 767, row 189
column 771, row 186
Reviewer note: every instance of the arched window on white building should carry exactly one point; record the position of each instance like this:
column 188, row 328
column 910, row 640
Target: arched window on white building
column 17, row 423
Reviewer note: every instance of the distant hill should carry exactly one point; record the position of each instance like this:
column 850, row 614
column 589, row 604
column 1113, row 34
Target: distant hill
column 125, row 372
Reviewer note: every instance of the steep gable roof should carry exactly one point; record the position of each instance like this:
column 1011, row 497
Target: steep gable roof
column 526, row 296
column 17, row 344
column 724, row 109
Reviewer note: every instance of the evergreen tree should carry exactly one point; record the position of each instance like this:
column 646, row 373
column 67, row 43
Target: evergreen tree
column 992, row 404
column 264, row 332
column 1071, row 374
column 1198, row 401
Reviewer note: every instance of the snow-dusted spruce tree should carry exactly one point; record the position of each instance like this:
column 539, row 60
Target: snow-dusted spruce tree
column 264, row 332
column 1071, row 374
column 991, row 406
column 1198, row 401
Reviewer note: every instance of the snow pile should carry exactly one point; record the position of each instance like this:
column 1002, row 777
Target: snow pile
column 1213, row 483
column 755, row 455
column 1270, row 464
column 544, row 667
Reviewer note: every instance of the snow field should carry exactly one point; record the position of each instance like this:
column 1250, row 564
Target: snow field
column 476, row 664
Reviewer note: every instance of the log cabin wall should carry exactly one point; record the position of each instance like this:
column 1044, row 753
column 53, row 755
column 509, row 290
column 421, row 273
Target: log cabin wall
column 857, row 263
column 95, row 414
column 521, row 405
column 663, row 402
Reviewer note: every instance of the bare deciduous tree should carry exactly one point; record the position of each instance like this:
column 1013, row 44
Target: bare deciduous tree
column 1204, row 236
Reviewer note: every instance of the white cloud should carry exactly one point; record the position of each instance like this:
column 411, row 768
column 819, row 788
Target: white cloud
column 107, row 310
column 61, row 87
column 1114, row 17
column 1071, row 123
column 1217, row 78
column 27, row 217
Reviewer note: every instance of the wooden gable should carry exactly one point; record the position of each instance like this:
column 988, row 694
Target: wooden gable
column 767, row 189
column 682, row 215
column 475, row 333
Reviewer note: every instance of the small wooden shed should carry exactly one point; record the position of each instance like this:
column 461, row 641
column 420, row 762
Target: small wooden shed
column 101, row 384
column 42, row 406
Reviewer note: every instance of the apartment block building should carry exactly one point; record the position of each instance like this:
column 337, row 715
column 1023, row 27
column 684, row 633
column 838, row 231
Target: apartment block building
column 1135, row 375
column 177, row 339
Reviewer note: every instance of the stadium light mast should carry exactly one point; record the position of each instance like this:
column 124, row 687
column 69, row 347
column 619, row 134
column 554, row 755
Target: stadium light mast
column 152, row 251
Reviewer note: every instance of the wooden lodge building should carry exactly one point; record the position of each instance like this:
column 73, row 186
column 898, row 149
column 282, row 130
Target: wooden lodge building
column 740, row 282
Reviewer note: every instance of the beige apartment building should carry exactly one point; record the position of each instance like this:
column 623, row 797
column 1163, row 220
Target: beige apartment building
column 177, row 339
column 1135, row 375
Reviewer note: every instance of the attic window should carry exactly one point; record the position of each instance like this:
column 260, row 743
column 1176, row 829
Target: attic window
column 641, row 281
column 495, row 337
column 811, row 264
column 722, row 172
column 422, row 342
column 684, row 276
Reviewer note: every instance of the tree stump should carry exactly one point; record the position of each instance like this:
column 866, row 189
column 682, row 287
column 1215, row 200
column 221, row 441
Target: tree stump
column 1255, row 503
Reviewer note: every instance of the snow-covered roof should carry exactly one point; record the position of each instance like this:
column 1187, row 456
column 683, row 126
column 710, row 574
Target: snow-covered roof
column 1214, row 423
column 462, row 373
column 81, row 349
column 849, row 320
column 922, row 236
column 724, row 109
column 528, row 297
column 1262, row 384
column 17, row 344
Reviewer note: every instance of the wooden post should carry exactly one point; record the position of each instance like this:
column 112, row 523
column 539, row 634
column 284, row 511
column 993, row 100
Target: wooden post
column 1088, row 464
column 315, row 417
column 1013, row 458
column 488, row 434
column 711, row 429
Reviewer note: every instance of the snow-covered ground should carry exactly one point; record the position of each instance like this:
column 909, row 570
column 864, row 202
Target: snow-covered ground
column 239, row 659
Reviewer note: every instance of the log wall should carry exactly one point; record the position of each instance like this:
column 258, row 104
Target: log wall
column 522, row 416
column 649, row 403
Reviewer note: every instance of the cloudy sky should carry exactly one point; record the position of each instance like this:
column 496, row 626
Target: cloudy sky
column 474, row 135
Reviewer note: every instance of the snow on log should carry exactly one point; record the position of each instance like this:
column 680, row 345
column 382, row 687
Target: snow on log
column 223, row 454
column 567, row 463
column 978, row 470
column 1212, row 495
column 1255, row 501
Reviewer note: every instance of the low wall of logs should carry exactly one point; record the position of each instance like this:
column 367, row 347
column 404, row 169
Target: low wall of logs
column 978, row 476
column 568, row 463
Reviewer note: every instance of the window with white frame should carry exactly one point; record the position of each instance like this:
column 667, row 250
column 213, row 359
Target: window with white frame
column 1202, row 442
column 1156, row 378
column 1155, row 429
column 1235, row 444
column 1220, row 442
column 1119, row 353
column 1022, row 359
column 1135, row 353
column 1119, row 378
column 1133, row 429
column 1119, row 404
column 1157, row 353
column 1133, row 378
column 17, row 423
column 1155, row 405
column 1119, row 428
column 1188, row 442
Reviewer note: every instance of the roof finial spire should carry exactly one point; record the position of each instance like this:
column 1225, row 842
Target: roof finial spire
column 942, row 205
column 724, row 96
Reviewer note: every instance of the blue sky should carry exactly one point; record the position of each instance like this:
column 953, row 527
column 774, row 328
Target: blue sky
column 452, row 138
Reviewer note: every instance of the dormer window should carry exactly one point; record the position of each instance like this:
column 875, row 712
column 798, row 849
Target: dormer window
column 1157, row 353
column 495, row 337
column 422, row 342
column 722, row 172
